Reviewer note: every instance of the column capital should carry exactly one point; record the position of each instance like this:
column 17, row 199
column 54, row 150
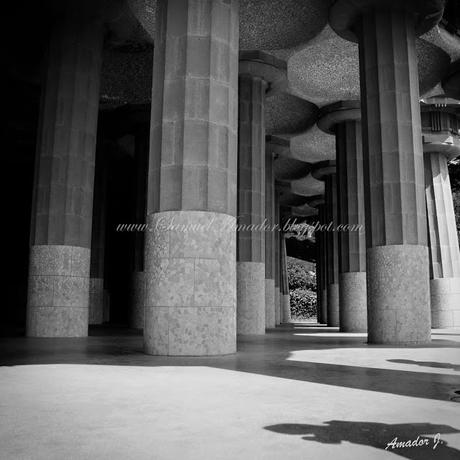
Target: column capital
column 338, row 112
column 316, row 201
column 257, row 64
column 323, row 169
column 344, row 14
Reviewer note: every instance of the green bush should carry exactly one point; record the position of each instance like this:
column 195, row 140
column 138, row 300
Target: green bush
column 299, row 276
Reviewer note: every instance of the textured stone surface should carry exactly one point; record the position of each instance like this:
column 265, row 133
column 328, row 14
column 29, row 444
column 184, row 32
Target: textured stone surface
column 445, row 302
column 353, row 302
column 190, row 272
column 313, row 146
column 269, row 304
column 193, row 142
column 271, row 24
column 137, row 300
column 58, row 291
column 333, row 299
column 96, row 301
column 286, row 307
column 398, row 294
column 250, row 295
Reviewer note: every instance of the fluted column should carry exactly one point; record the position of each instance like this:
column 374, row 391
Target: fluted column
column 322, row 266
column 190, row 252
column 343, row 120
column 141, row 153
column 59, row 267
column 326, row 171
column 270, row 316
column 441, row 144
column 396, row 237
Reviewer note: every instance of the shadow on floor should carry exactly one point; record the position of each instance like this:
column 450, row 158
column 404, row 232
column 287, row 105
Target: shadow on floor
column 379, row 435
column 269, row 355
column 454, row 367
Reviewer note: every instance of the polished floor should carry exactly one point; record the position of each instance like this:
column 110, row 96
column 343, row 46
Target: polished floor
column 300, row 392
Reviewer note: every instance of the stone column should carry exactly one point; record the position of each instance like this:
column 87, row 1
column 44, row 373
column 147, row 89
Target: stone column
column 270, row 316
column 441, row 144
column 344, row 120
column 258, row 71
column 396, row 235
column 318, row 202
column 284, row 290
column 59, row 267
column 276, row 257
column 138, row 277
column 326, row 171
column 190, row 254
column 98, row 237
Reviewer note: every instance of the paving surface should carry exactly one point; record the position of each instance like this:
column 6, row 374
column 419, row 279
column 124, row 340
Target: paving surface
column 303, row 392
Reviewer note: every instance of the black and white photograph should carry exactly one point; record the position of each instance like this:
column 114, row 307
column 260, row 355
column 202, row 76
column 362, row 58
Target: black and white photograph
column 231, row 230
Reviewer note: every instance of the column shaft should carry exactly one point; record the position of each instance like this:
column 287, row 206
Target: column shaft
column 323, row 264
column 332, row 243
column 285, row 297
column 251, row 206
column 276, row 256
column 59, row 269
column 352, row 242
column 190, row 254
column 269, row 242
column 444, row 249
column 397, row 256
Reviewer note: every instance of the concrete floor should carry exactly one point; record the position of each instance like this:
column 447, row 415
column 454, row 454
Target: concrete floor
column 301, row 392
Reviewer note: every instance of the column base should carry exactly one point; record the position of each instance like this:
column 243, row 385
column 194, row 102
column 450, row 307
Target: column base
column 353, row 302
column 96, row 301
column 286, row 306
column 250, row 298
column 333, row 317
column 445, row 302
column 137, row 300
column 190, row 279
column 277, row 306
column 58, row 291
column 269, row 303
column 324, row 305
column 398, row 296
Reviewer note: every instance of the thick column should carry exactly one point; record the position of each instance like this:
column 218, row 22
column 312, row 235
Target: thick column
column 269, row 241
column 326, row 171
column 138, row 277
column 190, row 254
column 59, row 267
column 284, row 290
column 396, row 236
column 98, row 236
column 250, row 273
column 343, row 120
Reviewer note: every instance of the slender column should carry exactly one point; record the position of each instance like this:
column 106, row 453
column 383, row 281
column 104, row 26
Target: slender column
column 276, row 257
column 98, row 236
column 440, row 146
column 326, row 171
column 250, row 274
column 284, row 291
column 190, row 253
column 138, row 278
column 59, row 267
column 269, row 241
column 396, row 235
column 343, row 120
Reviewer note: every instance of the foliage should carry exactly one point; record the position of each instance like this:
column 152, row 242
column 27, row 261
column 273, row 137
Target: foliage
column 302, row 289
